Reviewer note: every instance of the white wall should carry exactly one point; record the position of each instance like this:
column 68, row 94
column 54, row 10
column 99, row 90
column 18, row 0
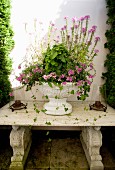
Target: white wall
column 55, row 10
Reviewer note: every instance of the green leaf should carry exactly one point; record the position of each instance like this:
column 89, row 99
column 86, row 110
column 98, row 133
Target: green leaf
column 46, row 97
column 47, row 133
column 49, row 140
column 66, row 109
column 56, row 97
column 57, row 108
column 95, row 119
column 54, row 55
column 43, row 110
column 72, row 92
column 35, row 119
column 85, row 108
column 37, row 111
column 48, row 123
column 61, row 87
column 50, row 84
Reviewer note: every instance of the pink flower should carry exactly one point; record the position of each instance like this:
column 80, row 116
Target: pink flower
column 69, row 79
column 91, row 76
column 91, row 30
column 83, row 30
column 65, row 27
column 45, row 77
column 19, row 67
column 66, row 17
column 83, row 65
column 52, row 24
column 76, row 67
column 94, row 27
column 62, row 76
column 96, row 51
column 22, row 75
column 97, row 39
column 87, row 17
column 78, row 93
column 88, row 82
column 11, row 94
column 30, row 74
column 73, row 19
column 71, row 72
column 52, row 75
column 75, row 26
column 64, row 83
column 79, row 70
column 91, row 66
column 62, row 29
column 82, row 18
column 35, row 70
column 26, row 80
column 19, row 78
column 79, row 83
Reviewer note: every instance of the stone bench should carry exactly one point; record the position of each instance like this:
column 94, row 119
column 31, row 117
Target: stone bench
column 81, row 118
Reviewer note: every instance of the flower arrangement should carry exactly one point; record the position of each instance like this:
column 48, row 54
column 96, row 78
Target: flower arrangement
column 65, row 55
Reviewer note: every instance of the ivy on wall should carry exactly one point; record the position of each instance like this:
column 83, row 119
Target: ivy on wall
column 6, row 45
column 110, row 61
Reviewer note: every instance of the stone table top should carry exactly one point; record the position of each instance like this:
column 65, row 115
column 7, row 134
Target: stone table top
column 80, row 116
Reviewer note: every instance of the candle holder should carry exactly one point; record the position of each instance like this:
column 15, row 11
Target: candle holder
column 15, row 102
column 18, row 105
column 98, row 99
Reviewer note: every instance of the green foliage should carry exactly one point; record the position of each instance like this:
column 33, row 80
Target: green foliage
column 110, row 61
column 6, row 45
column 56, row 59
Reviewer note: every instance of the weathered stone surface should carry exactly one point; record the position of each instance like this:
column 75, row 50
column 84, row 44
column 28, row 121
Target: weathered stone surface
column 20, row 141
column 91, row 139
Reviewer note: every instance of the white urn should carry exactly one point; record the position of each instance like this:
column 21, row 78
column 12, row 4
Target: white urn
column 57, row 104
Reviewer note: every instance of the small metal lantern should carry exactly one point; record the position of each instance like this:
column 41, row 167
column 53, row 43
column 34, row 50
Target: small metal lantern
column 98, row 99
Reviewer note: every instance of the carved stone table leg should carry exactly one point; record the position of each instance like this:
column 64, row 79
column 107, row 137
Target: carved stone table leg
column 20, row 141
column 91, row 139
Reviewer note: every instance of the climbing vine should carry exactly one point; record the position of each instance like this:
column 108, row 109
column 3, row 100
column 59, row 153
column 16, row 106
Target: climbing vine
column 109, row 76
column 6, row 45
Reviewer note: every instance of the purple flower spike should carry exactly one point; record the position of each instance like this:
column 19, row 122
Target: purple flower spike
column 52, row 24
column 83, row 30
column 96, row 51
column 97, row 39
column 87, row 17
column 82, row 18
column 65, row 27
column 91, row 30
column 19, row 67
column 66, row 17
column 73, row 19
column 94, row 27
column 75, row 26
column 62, row 29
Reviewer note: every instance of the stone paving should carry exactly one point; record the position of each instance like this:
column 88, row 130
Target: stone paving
column 56, row 150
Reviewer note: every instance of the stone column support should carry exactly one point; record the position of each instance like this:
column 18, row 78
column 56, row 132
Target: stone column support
column 20, row 141
column 91, row 139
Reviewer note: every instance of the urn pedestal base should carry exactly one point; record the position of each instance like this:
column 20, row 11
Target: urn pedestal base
column 57, row 107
